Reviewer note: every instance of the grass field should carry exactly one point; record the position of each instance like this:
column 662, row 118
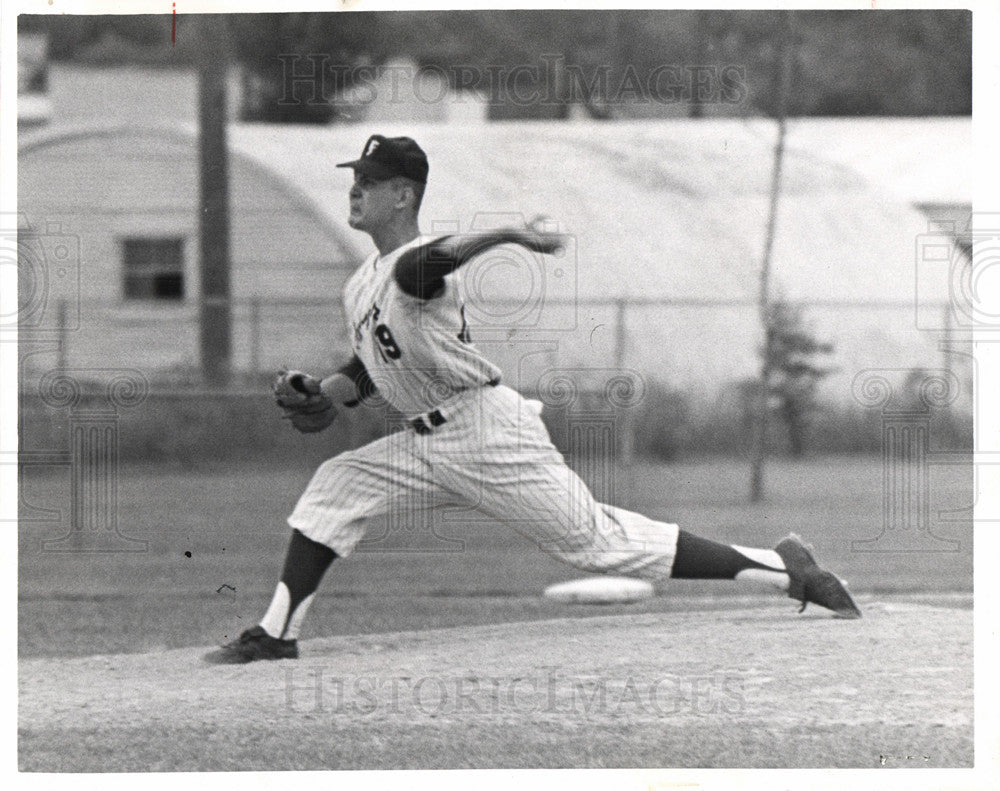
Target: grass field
column 216, row 540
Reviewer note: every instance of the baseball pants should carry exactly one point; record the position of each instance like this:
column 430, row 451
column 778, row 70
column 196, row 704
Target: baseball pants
column 492, row 453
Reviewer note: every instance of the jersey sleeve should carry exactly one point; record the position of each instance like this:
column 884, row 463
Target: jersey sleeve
column 420, row 272
column 355, row 371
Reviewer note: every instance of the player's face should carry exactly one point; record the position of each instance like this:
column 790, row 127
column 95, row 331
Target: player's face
column 372, row 202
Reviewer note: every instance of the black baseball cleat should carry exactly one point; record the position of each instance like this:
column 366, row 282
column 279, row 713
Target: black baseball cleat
column 809, row 583
column 252, row 645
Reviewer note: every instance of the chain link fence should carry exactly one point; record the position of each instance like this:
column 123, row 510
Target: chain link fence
column 704, row 346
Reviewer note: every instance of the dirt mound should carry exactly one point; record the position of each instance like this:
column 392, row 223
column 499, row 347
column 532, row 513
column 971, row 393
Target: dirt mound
column 748, row 687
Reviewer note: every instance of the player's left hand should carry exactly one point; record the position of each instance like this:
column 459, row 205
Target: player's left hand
column 301, row 398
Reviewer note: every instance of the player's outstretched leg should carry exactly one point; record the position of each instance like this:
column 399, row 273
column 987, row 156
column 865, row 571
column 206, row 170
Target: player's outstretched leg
column 276, row 636
column 789, row 566
column 810, row 583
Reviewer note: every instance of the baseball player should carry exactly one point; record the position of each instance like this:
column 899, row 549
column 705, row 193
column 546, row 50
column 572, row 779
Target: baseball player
column 470, row 439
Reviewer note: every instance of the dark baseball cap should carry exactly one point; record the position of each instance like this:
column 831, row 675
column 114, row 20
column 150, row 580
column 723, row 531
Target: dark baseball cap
column 385, row 157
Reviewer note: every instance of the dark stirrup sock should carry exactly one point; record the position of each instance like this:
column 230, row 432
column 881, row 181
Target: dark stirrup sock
column 701, row 558
column 305, row 563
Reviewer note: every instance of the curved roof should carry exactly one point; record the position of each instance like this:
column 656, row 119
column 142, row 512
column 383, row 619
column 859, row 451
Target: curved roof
column 245, row 152
column 918, row 160
column 659, row 209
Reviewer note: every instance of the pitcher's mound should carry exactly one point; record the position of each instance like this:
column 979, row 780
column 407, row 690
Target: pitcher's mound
column 746, row 685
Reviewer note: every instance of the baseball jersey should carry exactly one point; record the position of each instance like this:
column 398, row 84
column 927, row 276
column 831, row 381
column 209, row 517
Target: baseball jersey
column 417, row 351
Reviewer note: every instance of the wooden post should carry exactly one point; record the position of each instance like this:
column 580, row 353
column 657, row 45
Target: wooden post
column 215, row 338
column 759, row 448
column 696, row 109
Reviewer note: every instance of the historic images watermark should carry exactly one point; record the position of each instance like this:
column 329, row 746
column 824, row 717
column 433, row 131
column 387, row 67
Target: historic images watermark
column 907, row 456
column 549, row 690
column 954, row 263
column 92, row 456
column 47, row 259
column 315, row 80
column 48, row 312
column 961, row 263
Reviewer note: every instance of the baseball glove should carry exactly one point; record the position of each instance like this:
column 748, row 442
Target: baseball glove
column 303, row 402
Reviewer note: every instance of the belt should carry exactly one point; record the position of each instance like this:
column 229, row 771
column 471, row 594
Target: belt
column 425, row 424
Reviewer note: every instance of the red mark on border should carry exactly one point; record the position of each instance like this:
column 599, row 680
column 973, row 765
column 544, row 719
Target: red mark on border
column 173, row 25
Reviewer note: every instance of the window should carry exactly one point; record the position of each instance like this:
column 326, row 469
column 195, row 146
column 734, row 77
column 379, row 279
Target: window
column 154, row 268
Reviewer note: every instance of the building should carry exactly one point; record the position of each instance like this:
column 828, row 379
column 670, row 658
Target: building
column 923, row 162
column 667, row 220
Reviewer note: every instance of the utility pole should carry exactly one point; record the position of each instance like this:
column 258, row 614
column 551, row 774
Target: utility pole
column 759, row 447
column 696, row 109
column 215, row 332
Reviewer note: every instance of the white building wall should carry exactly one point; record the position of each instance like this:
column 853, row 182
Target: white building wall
column 99, row 190
column 654, row 212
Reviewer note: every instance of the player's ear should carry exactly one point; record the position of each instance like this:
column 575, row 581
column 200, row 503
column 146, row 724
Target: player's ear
column 407, row 194
column 404, row 193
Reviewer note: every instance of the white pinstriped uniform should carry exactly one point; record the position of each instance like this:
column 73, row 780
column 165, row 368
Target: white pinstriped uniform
column 492, row 452
column 411, row 347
